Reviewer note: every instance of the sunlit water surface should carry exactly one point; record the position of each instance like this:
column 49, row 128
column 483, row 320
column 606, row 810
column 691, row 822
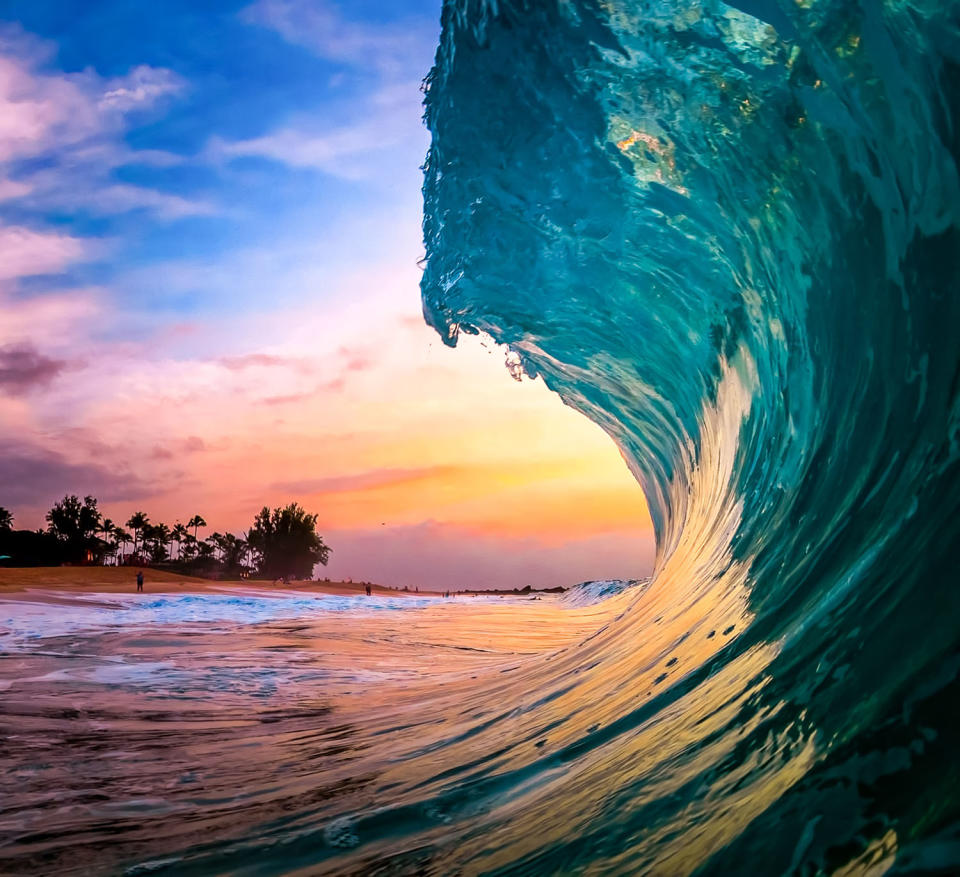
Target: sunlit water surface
column 258, row 733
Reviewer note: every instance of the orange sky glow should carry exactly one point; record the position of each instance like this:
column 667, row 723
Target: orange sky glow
column 391, row 437
column 241, row 326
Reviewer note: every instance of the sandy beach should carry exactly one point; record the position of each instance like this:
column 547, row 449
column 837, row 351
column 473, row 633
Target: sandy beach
column 122, row 579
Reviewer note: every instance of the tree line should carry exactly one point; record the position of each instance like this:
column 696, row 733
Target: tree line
column 281, row 542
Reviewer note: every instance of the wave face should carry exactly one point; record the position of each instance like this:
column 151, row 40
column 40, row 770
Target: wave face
column 588, row 593
column 728, row 234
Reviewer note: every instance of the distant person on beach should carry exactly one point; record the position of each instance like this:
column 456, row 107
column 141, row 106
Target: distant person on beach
column 140, row 580
column 369, row 592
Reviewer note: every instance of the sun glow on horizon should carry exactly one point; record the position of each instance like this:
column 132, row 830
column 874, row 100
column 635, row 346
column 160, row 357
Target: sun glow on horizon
column 211, row 304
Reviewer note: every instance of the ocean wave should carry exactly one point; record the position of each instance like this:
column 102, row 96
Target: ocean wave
column 588, row 593
column 728, row 234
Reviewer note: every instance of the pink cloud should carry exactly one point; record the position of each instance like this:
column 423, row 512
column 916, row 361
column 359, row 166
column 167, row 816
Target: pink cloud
column 23, row 368
column 263, row 360
column 51, row 319
column 356, row 361
column 24, row 252
column 79, row 119
column 370, row 480
column 10, row 189
column 42, row 110
column 291, row 399
column 33, row 477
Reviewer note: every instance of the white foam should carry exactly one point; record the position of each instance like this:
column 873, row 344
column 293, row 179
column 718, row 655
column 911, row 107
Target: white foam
column 23, row 621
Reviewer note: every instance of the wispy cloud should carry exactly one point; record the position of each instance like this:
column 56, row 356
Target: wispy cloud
column 24, row 251
column 192, row 444
column 50, row 319
column 358, row 149
column 42, row 112
column 142, row 86
column 397, row 47
column 265, row 360
column 371, row 480
column 289, row 399
column 75, row 122
column 384, row 117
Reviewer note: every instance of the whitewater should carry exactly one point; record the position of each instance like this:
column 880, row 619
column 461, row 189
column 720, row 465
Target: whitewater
column 729, row 235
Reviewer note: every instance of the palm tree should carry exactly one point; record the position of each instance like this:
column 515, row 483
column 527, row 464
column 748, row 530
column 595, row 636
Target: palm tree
column 137, row 522
column 162, row 537
column 179, row 533
column 196, row 522
column 216, row 540
column 243, row 550
column 121, row 537
column 235, row 552
column 6, row 519
column 155, row 539
column 146, row 540
column 204, row 550
column 106, row 528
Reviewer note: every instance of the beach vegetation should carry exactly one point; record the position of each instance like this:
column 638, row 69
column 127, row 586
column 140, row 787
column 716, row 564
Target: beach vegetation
column 138, row 520
column 121, row 538
column 285, row 542
column 75, row 524
column 178, row 534
column 196, row 522
column 282, row 543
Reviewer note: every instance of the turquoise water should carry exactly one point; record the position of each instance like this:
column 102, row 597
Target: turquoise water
column 728, row 234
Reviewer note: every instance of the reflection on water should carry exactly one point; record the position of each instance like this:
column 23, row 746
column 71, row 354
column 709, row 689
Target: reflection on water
column 336, row 735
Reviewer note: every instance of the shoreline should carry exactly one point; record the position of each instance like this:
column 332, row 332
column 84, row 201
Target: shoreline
column 122, row 580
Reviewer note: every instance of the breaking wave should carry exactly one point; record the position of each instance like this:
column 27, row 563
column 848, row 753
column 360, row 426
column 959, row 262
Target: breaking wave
column 728, row 234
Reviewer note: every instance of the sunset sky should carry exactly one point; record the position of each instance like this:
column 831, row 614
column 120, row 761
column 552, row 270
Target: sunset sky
column 209, row 245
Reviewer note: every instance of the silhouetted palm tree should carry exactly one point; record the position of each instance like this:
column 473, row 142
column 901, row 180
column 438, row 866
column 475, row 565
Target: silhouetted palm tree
column 234, row 552
column 216, row 540
column 6, row 519
column 106, row 531
column 196, row 522
column 137, row 522
column 155, row 539
column 121, row 537
column 179, row 533
column 162, row 537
